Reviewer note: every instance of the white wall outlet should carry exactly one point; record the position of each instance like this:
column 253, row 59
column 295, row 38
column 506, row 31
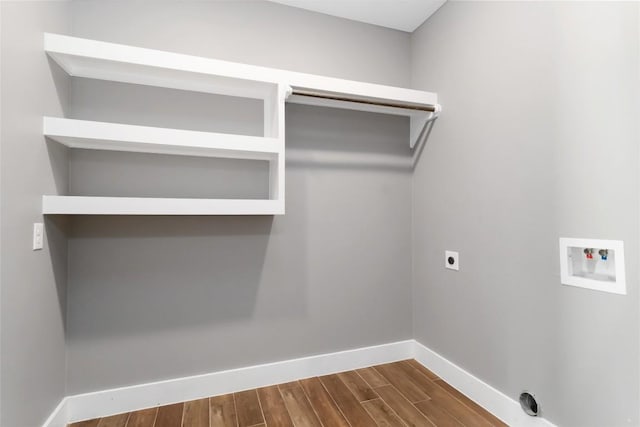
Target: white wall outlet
column 452, row 260
column 38, row 236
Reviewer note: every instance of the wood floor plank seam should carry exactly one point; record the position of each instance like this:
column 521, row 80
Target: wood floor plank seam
column 417, row 406
column 409, row 410
column 438, row 415
column 249, row 409
column 359, row 387
column 403, row 424
column 273, row 406
column 397, row 379
column 420, row 375
column 461, row 403
column 182, row 417
column 155, row 418
column 261, row 409
column 169, row 415
column 235, row 406
column 399, row 392
column 299, row 405
column 393, row 410
column 288, row 385
column 363, row 379
column 373, row 376
column 495, row 421
column 142, row 414
column 346, row 400
column 324, row 404
column 113, row 417
column 315, row 411
column 334, row 402
column 285, row 405
column 222, row 411
column 463, row 413
column 428, row 373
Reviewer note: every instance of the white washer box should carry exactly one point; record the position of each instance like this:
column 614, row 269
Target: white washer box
column 596, row 273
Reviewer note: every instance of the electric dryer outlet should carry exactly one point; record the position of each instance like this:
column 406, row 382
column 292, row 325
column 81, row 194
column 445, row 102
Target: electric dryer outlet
column 452, row 260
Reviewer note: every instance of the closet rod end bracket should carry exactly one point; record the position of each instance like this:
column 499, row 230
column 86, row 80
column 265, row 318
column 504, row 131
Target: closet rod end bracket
column 288, row 91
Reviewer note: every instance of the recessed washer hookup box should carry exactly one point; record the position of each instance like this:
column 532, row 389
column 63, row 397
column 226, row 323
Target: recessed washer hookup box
column 593, row 264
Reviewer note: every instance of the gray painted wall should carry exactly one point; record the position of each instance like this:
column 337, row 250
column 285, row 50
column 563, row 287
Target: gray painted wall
column 33, row 283
column 155, row 298
column 254, row 32
column 539, row 140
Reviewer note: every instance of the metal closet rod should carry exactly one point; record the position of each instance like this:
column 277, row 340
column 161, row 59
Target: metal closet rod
column 429, row 108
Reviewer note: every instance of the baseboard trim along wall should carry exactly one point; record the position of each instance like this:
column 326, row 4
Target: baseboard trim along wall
column 60, row 416
column 125, row 399
column 494, row 401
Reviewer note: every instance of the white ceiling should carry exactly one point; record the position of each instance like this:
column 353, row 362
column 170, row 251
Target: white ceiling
column 405, row 15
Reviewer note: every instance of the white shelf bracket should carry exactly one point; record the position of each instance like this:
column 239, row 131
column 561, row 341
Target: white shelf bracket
column 418, row 126
column 288, row 91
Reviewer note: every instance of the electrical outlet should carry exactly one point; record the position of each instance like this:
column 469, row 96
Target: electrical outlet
column 452, row 260
column 38, row 236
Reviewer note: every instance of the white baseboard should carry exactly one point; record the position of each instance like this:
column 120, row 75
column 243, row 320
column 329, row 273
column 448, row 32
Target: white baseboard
column 60, row 416
column 125, row 399
column 494, row 401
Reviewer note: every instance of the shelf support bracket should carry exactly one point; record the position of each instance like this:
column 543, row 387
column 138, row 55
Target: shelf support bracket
column 418, row 126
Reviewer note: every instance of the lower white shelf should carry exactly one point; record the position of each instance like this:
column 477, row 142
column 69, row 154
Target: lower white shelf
column 82, row 205
column 145, row 139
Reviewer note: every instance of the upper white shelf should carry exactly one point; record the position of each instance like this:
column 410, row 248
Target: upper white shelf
column 109, row 61
column 145, row 139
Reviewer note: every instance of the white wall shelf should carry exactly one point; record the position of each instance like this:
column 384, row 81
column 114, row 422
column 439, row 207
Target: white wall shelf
column 80, row 205
column 109, row 61
column 143, row 139
column 115, row 62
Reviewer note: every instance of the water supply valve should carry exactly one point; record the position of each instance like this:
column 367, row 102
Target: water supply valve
column 603, row 254
column 588, row 252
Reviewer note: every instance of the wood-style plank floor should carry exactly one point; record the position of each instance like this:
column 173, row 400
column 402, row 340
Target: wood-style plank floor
column 400, row 394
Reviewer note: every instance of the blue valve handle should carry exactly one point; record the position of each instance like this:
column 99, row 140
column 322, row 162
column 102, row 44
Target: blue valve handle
column 603, row 254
